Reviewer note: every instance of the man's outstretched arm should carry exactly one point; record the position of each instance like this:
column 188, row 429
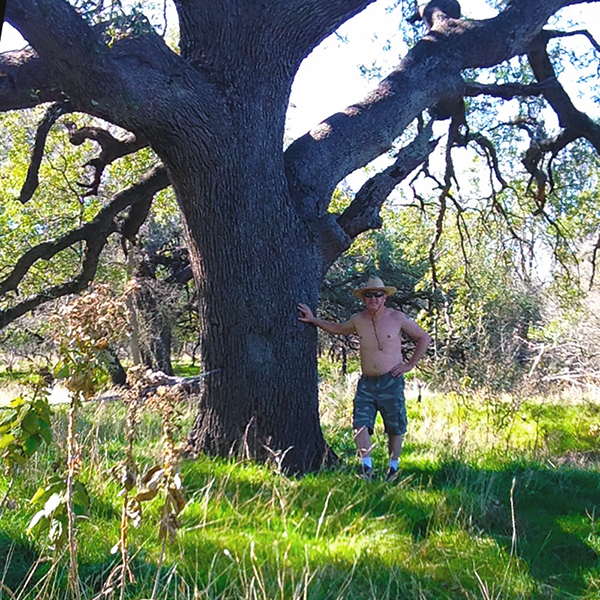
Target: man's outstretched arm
column 306, row 316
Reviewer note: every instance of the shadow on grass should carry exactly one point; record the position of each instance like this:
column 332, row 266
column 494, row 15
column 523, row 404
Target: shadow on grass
column 546, row 520
column 551, row 515
column 253, row 512
column 16, row 559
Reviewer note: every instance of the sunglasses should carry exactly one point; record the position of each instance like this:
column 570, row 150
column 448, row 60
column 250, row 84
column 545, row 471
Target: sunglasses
column 373, row 294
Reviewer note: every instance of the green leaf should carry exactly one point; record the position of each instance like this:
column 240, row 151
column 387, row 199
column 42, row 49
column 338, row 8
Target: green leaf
column 53, row 503
column 6, row 426
column 39, row 521
column 58, row 531
column 46, row 432
column 81, row 499
column 61, row 371
column 6, row 440
column 15, row 455
column 31, row 444
column 16, row 402
column 31, row 422
column 41, row 495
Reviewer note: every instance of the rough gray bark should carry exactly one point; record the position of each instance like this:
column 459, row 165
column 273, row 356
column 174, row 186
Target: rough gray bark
column 257, row 221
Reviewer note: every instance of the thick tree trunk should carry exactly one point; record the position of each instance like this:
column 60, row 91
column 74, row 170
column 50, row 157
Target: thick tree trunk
column 255, row 268
column 253, row 260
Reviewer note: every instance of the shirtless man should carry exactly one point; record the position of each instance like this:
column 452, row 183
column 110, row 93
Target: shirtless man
column 381, row 387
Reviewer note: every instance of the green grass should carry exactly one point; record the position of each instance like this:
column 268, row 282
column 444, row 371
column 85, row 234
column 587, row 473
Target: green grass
column 498, row 498
column 184, row 368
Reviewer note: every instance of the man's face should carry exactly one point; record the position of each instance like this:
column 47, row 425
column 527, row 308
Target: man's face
column 374, row 300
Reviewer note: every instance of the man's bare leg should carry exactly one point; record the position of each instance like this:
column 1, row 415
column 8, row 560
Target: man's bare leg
column 364, row 446
column 395, row 446
column 363, row 442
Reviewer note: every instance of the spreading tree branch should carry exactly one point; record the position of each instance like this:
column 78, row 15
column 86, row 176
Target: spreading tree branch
column 490, row 153
column 569, row 116
column 363, row 212
column 562, row 34
column 112, row 149
column 334, row 233
column 533, row 158
column 98, row 74
column 57, row 32
column 316, row 162
column 453, row 135
column 95, row 235
column 32, row 181
column 594, row 258
column 507, row 91
column 26, row 80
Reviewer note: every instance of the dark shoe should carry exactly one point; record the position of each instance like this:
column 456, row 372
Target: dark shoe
column 391, row 474
column 366, row 473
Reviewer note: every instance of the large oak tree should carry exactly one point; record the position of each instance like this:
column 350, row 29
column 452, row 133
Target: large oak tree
column 260, row 234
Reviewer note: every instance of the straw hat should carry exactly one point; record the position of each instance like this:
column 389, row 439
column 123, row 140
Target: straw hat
column 375, row 285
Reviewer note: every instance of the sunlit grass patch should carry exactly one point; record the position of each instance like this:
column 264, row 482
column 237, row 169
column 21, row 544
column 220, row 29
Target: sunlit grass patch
column 487, row 505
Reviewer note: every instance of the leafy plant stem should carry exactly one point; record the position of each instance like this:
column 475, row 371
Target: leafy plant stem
column 72, row 464
column 123, row 544
column 160, row 559
column 8, row 490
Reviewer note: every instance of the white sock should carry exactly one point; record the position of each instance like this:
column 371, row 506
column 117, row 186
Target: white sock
column 393, row 464
column 367, row 461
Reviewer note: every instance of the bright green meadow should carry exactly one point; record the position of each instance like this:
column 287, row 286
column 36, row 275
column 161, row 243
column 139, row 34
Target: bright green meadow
column 499, row 498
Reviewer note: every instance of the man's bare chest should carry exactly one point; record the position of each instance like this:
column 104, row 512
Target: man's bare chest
column 384, row 329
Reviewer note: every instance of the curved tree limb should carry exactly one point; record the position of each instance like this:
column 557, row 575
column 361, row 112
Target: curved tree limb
column 55, row 29
column 594, row 265
column 562, row 34
column 32, row 181
column 534, row 156
column 112, row 149
column 576, row 124
column 449, row 175
column 569, row 116
column 335, row 233
column 26, row 80
column 102, row 77
column 95, row 235
column 431, row 72
column 490, row 153
column 507, row 91
column 363, row 212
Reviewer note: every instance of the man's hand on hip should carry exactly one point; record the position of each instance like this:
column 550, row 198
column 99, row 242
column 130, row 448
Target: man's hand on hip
column 400, row 369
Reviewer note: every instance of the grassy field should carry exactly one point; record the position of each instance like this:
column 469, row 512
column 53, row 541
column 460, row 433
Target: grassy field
column 498, row 498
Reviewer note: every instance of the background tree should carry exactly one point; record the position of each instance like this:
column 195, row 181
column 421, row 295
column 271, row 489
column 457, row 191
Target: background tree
column 258, row 226
column 68, row 197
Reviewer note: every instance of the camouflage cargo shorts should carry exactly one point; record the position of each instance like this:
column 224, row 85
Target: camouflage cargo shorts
column 384, row 394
